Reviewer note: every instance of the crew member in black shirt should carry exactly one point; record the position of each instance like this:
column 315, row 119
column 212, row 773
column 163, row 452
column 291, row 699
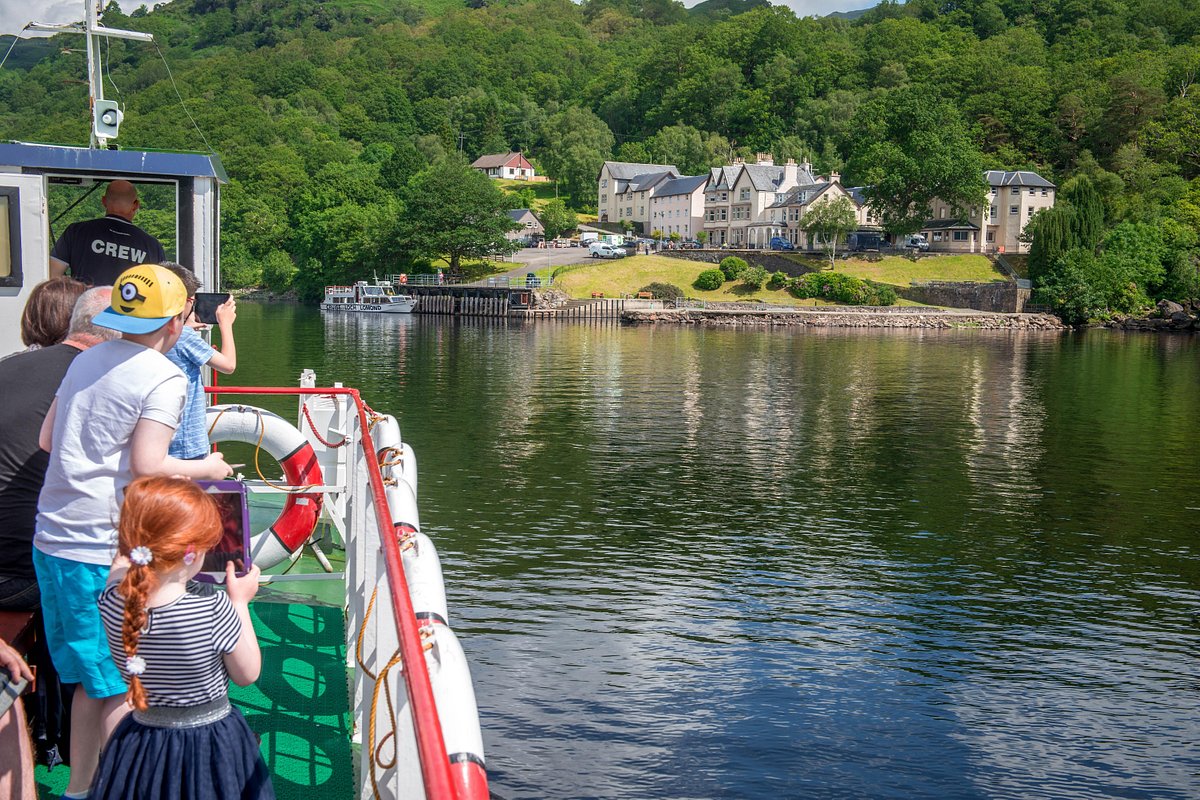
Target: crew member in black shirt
column 99, row 250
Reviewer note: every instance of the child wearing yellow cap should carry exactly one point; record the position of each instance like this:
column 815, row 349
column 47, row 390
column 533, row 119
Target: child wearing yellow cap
column 111, row 421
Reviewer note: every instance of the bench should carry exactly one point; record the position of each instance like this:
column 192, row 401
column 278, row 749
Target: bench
column 645, row 295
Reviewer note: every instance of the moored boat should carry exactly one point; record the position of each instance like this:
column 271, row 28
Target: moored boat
column 376, row 297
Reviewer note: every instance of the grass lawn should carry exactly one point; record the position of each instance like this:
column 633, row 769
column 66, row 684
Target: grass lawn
column 900, row 271
column 628, row 275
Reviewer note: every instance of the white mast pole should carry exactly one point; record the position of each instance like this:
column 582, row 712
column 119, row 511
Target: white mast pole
column 95, row 75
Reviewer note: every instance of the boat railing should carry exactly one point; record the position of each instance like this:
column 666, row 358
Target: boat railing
column 358, row 506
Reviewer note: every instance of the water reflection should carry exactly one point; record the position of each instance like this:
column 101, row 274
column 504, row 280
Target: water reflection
column 709, row 563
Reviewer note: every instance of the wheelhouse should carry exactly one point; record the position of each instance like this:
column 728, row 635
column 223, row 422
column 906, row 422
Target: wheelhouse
column 40, row 184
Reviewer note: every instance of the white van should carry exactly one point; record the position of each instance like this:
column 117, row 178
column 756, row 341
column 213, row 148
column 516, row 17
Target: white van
column 604, row 250
column 916, row 241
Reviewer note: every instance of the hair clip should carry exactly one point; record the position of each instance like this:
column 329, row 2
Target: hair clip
column 189, row 556
column 141, row 555
column 135, row 665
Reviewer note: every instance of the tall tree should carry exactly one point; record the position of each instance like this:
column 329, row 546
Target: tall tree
column 911, row 150
column 557, row 219
column 452, row 212
column 577, row 144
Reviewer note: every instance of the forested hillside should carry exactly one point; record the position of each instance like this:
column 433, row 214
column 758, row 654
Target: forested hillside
column 324, row 111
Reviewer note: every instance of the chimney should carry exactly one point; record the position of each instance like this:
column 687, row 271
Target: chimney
column 737, row 160
column 791, row 175
column 805, row 166
column 764, row 159
column 835, row 177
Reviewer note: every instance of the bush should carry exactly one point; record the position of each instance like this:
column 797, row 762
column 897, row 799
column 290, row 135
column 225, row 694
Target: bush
column 663, row 291
column 278, row 271
column 733, row 267
column 709, row 279
column 778, row 280
column 754, row 277
column 839, row 288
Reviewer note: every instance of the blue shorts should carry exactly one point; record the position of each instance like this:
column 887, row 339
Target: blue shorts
column 74, row 633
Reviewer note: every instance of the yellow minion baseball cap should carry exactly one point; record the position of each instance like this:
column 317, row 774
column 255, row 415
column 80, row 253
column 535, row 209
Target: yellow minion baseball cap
column 144, row 298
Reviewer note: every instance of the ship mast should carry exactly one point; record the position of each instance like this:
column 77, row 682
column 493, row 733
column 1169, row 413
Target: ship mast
column 106, row 114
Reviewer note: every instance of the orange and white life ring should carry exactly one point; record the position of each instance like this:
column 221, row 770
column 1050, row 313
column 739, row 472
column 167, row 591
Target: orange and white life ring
column 282, row 540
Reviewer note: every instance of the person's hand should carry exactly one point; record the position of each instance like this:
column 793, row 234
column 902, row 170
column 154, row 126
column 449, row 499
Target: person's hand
column 227, row 313
column 11, row 660
column 241, row 590
column 215, row 467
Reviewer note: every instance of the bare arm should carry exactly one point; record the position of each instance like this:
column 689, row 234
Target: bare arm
column 46, row 434
column 225, row 359
column 148, row 455
column 57, row 268
column 245, row 662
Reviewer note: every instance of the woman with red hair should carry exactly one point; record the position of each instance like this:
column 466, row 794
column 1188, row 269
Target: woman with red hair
column 178, row 651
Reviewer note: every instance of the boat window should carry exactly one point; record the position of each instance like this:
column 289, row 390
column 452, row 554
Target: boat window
column 158, row 212
column 10, row 236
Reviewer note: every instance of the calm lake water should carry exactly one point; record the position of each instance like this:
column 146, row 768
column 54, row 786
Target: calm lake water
column 800, row 564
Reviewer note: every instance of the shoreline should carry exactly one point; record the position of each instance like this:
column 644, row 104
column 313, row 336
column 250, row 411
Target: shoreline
column 929, row 319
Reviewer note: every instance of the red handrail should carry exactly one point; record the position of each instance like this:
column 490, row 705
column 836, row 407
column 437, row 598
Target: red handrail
column 435, row 764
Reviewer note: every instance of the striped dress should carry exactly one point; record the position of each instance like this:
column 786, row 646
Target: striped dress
column 189, row 744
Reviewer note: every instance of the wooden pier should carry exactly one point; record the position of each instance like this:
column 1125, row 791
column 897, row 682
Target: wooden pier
column 509, row 302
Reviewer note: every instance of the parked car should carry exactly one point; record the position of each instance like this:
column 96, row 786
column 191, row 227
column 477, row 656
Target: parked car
column 780, row 243
column 916, row 241
column 690, row 244
column 605, row 250
column 532, row 281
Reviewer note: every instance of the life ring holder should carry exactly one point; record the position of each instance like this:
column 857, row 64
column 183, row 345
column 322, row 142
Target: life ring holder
column 284, row 538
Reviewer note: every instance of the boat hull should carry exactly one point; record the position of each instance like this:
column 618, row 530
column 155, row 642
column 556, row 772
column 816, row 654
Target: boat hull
column 390, row 308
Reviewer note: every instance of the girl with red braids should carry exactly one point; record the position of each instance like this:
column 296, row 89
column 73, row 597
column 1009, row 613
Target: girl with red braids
column 177, row 651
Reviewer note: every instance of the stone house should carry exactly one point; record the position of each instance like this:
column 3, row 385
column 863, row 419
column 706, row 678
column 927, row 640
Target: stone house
column 624, row 190
column 785, row 217
column 1013, row 198
column 677, row 206
column 531, row 230
column 736, row 199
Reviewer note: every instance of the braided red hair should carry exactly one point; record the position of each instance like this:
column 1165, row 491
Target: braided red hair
column 170, row 516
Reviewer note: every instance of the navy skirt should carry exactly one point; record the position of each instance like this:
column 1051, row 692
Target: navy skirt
column 172, row 760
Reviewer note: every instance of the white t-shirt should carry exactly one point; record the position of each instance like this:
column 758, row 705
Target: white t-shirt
column 106, row 391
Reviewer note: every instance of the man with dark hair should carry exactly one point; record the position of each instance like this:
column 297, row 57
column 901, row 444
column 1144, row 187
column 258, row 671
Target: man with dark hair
column 99, row 250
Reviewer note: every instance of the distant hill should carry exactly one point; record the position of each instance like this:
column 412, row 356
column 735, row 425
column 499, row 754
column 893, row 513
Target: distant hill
column 713, row 8
column 849, row 14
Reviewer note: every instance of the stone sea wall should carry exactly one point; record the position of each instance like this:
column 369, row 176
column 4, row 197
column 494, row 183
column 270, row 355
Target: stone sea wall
column 1001, row 296
column 847, row 319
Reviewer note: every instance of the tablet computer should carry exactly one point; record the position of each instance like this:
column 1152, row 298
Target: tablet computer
column 234, row 544
column 205, row 308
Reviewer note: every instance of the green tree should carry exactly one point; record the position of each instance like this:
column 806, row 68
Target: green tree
column 1051, row 232
column 557, row 219
column 1088, row 208
column 452, row 212
column 911, row 150
column 828, row 222
column 577, row 144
